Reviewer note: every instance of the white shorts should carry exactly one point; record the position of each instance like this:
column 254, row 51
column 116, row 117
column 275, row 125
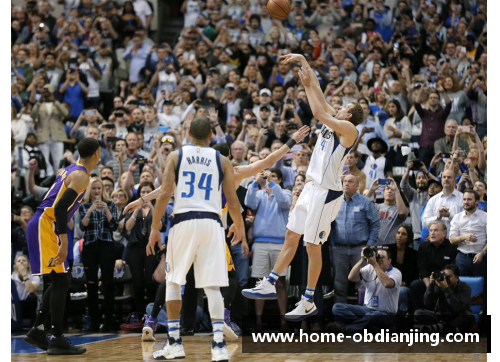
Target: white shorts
column 264, row 258
column 314, row 213
column 200, row 242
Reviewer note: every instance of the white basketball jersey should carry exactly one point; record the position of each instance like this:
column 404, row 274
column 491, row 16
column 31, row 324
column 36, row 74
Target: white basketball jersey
column 198, row 178
column 327, row 160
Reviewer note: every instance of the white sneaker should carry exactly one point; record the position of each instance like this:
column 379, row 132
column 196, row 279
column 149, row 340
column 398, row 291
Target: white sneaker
column 219, row 352
column 305, row 309
column 229, row 333
column 263, row 290
column 172, row 349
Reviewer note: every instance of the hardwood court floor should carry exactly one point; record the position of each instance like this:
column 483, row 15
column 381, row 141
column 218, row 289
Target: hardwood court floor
column 131, row 348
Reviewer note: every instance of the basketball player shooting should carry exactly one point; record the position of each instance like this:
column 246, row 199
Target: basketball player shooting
column 48, row 247
column 320, row 201
column 196, row 235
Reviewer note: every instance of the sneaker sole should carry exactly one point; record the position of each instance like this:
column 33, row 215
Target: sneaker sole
column 148, row 335
column 36, row 343
column 229, row 333
column 299, row 318
column 64, row 352
column 249, row 295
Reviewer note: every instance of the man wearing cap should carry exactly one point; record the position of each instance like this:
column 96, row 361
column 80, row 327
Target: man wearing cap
column 168, row 118
column 49, row 114
column 418, row 197
column 232, row 106
column 445, row 144
column 224, row 66
column 265, row 100
column 376, row 165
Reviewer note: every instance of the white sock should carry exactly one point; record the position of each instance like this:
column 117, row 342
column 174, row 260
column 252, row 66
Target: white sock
column 174, row 328
column 218, row 329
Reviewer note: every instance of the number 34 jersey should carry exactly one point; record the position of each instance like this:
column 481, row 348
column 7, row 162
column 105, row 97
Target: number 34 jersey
column 198, row 178
column 327, row 160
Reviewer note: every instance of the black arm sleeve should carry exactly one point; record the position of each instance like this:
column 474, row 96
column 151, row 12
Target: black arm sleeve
column 61, row 210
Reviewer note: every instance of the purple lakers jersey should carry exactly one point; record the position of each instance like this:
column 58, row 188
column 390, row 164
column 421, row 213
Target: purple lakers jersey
column 57, row 190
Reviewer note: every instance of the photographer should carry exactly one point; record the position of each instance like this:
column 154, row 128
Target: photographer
column 49, row 115
column 382, row 282
column 448, row 301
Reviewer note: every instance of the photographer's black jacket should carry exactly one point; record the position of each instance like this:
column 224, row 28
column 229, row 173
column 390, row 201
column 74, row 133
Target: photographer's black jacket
column 449, row 300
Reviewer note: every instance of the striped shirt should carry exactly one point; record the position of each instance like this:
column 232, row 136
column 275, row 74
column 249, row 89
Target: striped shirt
column 357, row 221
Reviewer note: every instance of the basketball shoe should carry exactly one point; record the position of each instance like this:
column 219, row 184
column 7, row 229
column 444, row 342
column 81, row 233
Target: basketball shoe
column 219, row 352
column 263, row 290
column 149, row 329
column 304, row 309
column 172, row 349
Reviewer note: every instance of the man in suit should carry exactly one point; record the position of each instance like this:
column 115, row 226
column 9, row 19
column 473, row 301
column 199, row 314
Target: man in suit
column 231, row 107
column 49, row 115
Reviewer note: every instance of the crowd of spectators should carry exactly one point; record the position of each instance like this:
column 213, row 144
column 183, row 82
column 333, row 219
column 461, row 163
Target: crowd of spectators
column 418, row 69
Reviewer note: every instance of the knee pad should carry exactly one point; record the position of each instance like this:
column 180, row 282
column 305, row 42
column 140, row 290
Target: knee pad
column 173, row 292
column 215, row 302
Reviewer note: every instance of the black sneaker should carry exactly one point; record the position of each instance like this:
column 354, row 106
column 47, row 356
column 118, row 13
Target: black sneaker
column 61, row 346
column 37, row 338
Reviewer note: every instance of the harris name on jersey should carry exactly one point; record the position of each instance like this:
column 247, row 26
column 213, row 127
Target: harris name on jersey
column 198, row 160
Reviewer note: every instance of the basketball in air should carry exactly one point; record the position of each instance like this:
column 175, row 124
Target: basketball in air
column 279, row 9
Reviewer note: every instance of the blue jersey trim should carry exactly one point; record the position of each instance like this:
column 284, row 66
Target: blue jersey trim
column 219, row 166
column 195, row 215
column 179, row 160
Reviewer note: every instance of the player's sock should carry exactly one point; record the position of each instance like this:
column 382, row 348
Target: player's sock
column 309, row 293
column 159, row 300
column 218, row 329
column 273, row 277
column 173, row 328
column 60, row 286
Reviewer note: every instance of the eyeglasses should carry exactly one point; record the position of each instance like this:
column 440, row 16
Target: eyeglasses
column 120, row 196
column 168, row 139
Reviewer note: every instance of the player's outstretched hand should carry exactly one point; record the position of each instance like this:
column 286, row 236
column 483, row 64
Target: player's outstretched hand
column 288, row 58
column 131, row 207
column 301, row 134
column 154, row 238
column 304, row 76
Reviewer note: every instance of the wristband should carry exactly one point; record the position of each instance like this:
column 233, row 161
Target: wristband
column 291, row 142
column 133, row 217
column 215, row 126
column 143, row 200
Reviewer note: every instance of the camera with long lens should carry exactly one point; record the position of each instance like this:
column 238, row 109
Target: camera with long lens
column 440, row 276
column 371, row 251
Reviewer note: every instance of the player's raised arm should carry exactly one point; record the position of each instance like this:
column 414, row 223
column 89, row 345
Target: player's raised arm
column 314, row 93
column 134, row 205
column 269, row 161
column 76, row 184
column 166, row 189
column 345, row 129
column 232, row 200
